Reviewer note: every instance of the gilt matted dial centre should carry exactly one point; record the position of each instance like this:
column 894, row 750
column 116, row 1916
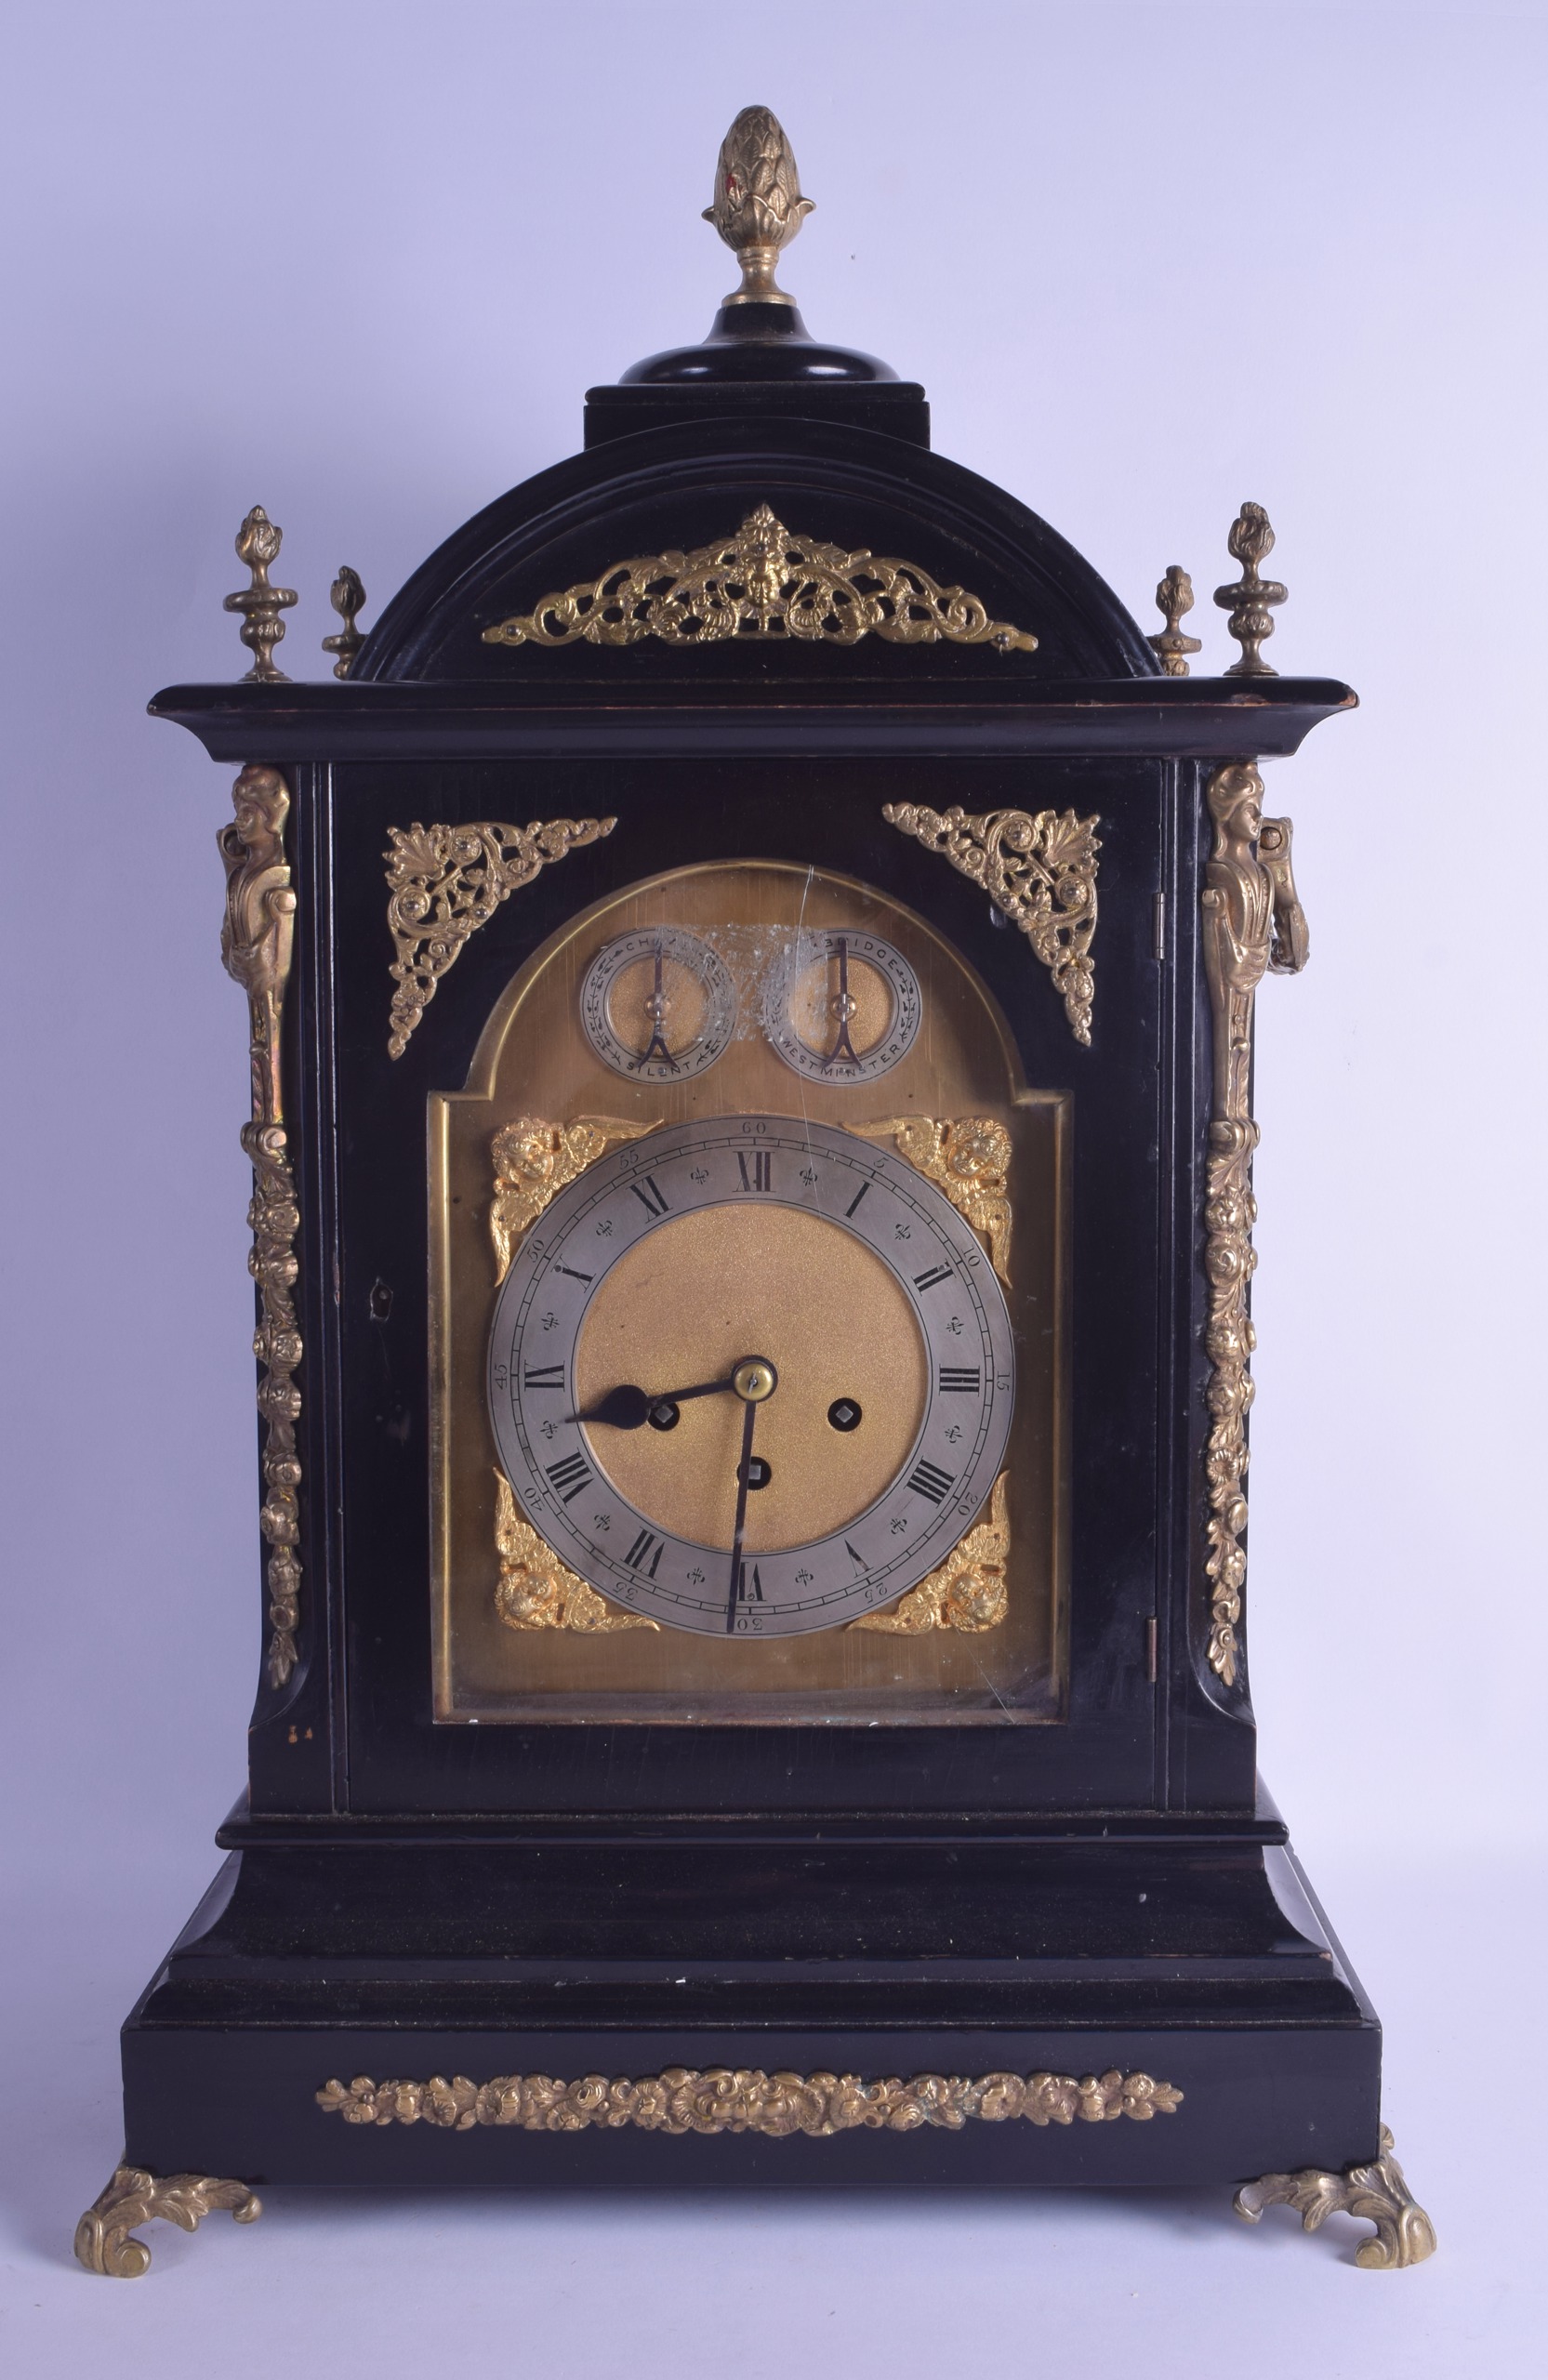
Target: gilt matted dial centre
column 664, row 1271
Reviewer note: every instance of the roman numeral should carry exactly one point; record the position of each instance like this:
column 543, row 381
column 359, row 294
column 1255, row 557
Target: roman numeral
column 573, row 1274
column 570, row 1475
column 748, row 1591
column 926, row 1479
column 961, row 1380
column 937, row 1273
column 759, row 1178
column 637, row 1553
column 543, row 1376
column 649, row 1196
column 855, row 1201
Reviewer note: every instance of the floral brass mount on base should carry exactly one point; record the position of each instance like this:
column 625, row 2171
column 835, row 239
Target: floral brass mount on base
column 1252, row 924
column 1378, row 2193
column 723, row 2099
column 764, row 581
column 1040, row 872
column 255, row 941
column 445, row 883
column 103, row 2241
column 967, row 1592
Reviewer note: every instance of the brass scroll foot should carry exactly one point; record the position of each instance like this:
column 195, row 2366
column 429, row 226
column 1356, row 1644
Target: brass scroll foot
column 1404, row 2232
column 102, row 2236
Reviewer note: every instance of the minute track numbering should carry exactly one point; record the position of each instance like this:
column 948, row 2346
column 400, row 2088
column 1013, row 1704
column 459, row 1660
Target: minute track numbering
column 558, row 1465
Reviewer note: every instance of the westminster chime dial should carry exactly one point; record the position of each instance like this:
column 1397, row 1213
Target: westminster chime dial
column 841, row 1005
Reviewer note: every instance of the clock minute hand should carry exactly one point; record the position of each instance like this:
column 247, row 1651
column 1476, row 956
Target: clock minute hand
column 744, row 1480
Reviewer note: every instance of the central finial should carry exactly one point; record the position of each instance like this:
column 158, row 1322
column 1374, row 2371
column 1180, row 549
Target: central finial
column 758, row 207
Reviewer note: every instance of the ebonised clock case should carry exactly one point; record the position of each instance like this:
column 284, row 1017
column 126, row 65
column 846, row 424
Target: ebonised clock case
column 1113, row 1889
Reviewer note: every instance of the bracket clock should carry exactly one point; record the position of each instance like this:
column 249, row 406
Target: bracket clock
column 750, row 966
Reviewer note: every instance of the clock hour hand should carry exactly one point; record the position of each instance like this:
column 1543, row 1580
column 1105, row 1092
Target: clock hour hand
column 628, row 1408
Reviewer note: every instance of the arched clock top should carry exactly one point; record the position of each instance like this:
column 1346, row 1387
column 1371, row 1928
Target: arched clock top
column 964, row 582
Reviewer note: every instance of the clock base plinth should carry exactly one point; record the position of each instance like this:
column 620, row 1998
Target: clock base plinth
column 1042, row 2004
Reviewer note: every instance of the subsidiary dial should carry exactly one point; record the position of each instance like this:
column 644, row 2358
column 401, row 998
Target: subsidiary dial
column 659, row 1004
column 841, row 1006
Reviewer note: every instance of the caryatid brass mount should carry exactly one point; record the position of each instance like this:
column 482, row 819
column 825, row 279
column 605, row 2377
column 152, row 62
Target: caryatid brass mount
column 758, row 207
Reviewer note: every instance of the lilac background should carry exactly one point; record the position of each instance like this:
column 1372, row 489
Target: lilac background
column 358, row 262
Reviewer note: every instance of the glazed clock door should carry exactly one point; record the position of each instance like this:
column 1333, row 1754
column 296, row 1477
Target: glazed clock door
column 716, row 1241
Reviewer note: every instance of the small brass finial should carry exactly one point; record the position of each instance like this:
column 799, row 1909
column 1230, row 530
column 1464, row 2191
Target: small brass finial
column 758, row 207
column 258, row 544
column 1250, row 601
column 1173, row 598
column 346, row 595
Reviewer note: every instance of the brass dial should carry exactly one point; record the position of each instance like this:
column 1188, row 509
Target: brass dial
column 751, row 1376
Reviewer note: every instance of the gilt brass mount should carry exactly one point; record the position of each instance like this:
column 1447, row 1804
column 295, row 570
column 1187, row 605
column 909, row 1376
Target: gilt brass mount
column 1252, row 922
column 1174, row 601
column 1378, row 2192
column 758, row 207
column 443, row 883
column 103, row 2236
column 969, row 1157
column 1252, row 600
column 255, row 941
column 1040, row 872
column 967, row 1592
column 258, row 544
column 764, row 580
column 536, row 1591
column 723, row 2099
column 348, row 597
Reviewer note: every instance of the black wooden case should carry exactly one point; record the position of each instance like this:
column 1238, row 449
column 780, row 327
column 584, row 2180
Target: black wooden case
column 1106, row 1893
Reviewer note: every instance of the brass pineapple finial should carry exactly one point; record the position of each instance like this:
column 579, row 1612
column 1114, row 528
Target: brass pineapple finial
column 1173, row 598
column 1250, row 601
column 758, row 207
column 258, row 544
column 347, row 596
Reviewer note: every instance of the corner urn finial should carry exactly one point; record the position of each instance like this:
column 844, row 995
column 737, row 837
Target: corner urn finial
column 758, row 207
